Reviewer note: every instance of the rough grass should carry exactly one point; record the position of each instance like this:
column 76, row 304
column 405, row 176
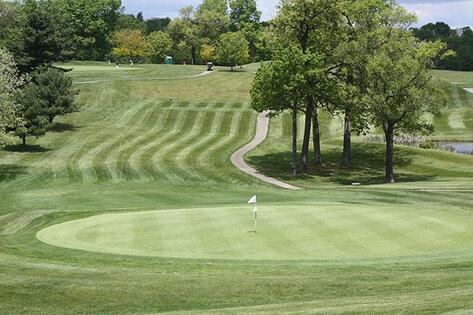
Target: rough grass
column 132, row 149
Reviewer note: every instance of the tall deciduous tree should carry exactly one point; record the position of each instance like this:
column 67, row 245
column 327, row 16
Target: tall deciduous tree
column 207, row 52
column 263, row 43
column 401, row 89
column 232, row 49
column 279, row 86
column 89, row 25
column 367, row 26
column 129, row 22
column 314, row 26
column 243, row 12
column 130, row 44
column 212, row 19
column 183, row 32
column 219, row 6
column 156, row 24
column 460, row 41
column 159, row 45
column 245, row 17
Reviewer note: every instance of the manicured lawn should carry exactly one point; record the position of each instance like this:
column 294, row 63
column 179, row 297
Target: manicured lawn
column 163, row 220
column 456, row 77
column 90, row 72
column 287, row 232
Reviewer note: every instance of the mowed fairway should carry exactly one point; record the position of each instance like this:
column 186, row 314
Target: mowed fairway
column 329, row 232
column 142, row 130
column 132, row 205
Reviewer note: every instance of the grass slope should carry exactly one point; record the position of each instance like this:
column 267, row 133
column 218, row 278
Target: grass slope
column 131, row 149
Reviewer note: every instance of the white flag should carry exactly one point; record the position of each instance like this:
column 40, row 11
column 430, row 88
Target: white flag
column 252, row 200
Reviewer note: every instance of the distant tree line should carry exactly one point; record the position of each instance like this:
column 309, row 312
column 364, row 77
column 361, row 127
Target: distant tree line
column 356, row 59
column 460, row 41
column 227, row 32
column 40, row 32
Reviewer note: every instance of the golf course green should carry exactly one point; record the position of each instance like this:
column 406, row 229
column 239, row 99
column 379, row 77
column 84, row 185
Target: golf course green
column 132, row 205
column 330, row 232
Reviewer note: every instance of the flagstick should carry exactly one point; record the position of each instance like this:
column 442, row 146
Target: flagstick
column 256, row 217
column 255, row 210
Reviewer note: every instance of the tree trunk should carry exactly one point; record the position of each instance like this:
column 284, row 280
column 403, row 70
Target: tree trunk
column 346, row 156
column 231, row 68
column 316, row 138
column 193, row 53
column 294, row 142
column 23, row 139
column 305, row 144
column 389, row 137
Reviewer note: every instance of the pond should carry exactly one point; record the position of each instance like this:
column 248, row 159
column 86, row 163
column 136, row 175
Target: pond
column 458, row 147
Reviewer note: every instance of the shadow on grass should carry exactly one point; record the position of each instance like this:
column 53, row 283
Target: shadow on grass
column 367, row 166
column 28, row 148
column 235, row 70
column 61, row 127
column 9, row 172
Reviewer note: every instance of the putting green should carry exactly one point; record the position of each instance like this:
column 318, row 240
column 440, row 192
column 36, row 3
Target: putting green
column 329, row 232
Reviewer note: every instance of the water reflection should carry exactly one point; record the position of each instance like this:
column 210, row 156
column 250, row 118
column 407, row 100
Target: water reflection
column 458, row 147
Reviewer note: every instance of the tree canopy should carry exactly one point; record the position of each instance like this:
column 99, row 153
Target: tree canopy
column 401, row 90
column 130, row 44
column 354, row 58
column 460, row 41
column 10, row 83
column 207, row 52
column 232, row 49
column 159, row 45
column 89, row 25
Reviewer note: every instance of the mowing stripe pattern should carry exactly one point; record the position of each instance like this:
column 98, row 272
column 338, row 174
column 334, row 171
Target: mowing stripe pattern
column 152, row 140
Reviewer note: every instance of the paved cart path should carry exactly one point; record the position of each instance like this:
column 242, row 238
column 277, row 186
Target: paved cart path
column 262, row 126
column 146, row 79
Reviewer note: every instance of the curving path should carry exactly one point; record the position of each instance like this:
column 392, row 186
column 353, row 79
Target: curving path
column 147, row 79
column 262, row 126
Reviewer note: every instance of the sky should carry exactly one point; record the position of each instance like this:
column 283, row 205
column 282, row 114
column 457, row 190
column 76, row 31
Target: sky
column 456, row 13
